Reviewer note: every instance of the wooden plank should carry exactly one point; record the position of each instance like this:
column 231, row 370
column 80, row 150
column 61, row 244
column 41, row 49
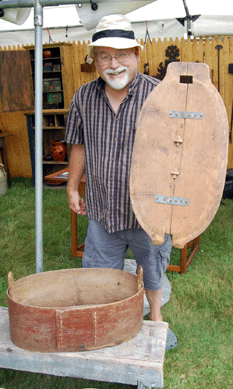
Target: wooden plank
column 201, row 53
column 214, row 62
column 16, row 87
column 204, row 159
column 138, row 360
column 75, row 65
column 142, row 59
column 193, row 169
column 14, row 123
column 189, row 50
column 155, row 63
column 207, row 55
column 151, row 172
column 195, row 50
column 226, row 79
column 67, row 74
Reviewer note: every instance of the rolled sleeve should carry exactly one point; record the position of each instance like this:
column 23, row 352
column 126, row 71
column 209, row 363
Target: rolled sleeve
column 74, row 127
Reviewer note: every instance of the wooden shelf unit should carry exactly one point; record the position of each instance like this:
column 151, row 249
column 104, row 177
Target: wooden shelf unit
column 58, row 90
column 56, row 67
column 53, row 132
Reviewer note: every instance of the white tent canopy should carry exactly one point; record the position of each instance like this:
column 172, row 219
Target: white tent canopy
column 61, row 23
column 164, row 28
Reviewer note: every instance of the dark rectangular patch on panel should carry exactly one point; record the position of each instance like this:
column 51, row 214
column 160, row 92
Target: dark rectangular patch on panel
column 186, row 79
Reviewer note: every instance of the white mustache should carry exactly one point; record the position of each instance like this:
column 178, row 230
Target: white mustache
column 116, row 71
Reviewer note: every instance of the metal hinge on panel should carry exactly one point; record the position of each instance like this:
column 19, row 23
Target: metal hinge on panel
column 175, row 173
column 171, row 200
column 178, row 140
column 186, row 115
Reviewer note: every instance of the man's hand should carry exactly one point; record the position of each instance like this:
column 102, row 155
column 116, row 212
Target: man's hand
column 76, row 171
column 76, row 203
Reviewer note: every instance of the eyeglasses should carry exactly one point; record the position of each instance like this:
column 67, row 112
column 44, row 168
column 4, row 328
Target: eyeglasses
column 105, row 59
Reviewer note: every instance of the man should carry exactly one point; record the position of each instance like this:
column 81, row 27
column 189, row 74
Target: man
column 101, row 127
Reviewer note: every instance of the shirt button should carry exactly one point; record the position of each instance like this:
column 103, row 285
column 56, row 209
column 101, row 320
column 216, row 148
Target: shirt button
column 111, row 179
column 113, row 159
column 115, row 139
column 111, row 198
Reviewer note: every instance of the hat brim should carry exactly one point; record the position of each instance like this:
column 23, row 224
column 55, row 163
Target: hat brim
column 116, row 43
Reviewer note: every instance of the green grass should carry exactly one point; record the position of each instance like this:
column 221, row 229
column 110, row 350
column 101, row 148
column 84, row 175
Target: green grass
column 200, row 309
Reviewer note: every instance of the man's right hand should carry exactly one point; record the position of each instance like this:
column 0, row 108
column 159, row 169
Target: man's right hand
column 76, row 171
column 76, row 203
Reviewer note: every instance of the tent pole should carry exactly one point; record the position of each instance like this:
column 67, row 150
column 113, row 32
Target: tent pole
column 38, row 23
column 188, row 16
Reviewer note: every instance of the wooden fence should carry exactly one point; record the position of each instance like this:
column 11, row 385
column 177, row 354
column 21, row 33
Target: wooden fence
column 154, row 53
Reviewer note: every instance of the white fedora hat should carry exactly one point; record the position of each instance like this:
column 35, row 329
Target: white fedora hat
column 113, row 31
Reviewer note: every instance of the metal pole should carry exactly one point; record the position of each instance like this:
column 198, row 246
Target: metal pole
column 188, row 17
column 38, row 23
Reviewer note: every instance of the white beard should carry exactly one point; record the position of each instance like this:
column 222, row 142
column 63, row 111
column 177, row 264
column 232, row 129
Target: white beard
column 117, row 84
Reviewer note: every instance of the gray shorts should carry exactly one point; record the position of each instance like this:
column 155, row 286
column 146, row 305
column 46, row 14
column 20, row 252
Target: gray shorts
column 108, row 251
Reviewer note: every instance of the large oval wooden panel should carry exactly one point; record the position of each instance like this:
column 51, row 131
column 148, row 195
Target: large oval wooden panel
column 180, row 157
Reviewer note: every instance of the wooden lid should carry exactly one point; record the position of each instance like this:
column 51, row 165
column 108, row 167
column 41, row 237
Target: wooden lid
column 180, row 155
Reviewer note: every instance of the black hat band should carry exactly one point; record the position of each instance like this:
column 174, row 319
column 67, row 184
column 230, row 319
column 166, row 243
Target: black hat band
column 113, row 34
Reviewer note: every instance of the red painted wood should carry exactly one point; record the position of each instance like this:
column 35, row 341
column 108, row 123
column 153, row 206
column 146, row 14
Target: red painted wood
column 75, row 309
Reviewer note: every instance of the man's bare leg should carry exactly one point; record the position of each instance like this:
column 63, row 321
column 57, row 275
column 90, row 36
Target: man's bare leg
column 154, row 298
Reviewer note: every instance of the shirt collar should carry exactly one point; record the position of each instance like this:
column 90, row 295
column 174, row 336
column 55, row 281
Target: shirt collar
column 100, row 83
column 134, row 83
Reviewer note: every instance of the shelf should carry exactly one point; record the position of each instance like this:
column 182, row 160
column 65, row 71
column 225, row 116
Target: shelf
column 47, row 59
column 55, row 162
column 52, row 128
column 52, row 91
column 52, row 72
column 49, row 72
column 59, row 111
column 51, row 58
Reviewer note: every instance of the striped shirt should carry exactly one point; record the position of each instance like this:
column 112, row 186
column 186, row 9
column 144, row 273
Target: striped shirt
column 108, row 138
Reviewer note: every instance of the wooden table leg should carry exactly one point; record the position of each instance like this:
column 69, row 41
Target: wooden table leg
column 184, row 261
column 196, row 246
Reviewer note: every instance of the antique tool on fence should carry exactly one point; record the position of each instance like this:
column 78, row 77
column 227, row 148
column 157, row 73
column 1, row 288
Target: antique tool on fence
column 75, row 309
column 180, row 155
column 230, row 132
column 230, row 70
column 218, row 47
